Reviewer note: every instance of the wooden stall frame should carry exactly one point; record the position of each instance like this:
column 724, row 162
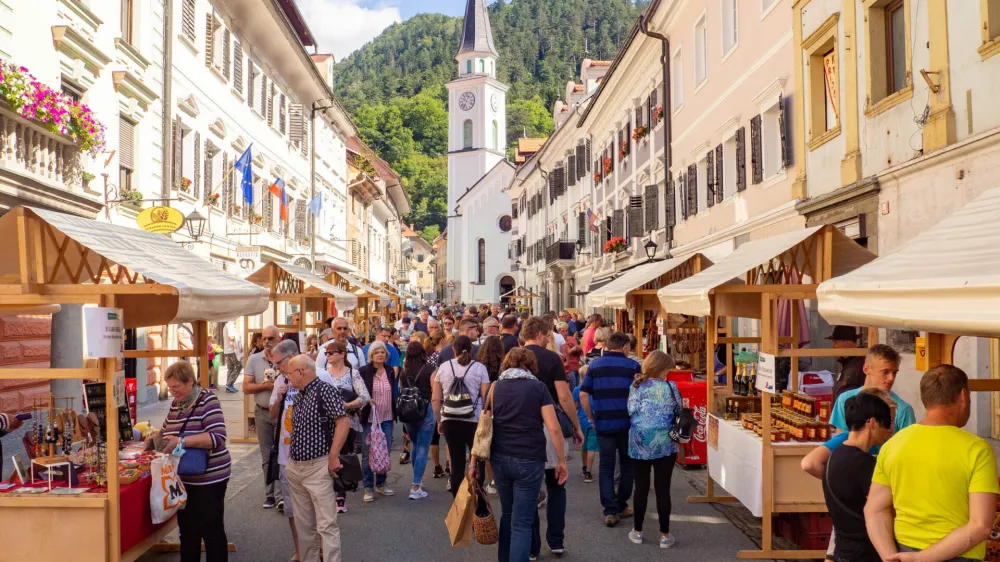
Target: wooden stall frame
column 519, row 294
column 369, row 304
column 34, row 285
column 816, row 253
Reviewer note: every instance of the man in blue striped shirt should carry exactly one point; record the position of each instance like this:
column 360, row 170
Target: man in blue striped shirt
column 604, row 397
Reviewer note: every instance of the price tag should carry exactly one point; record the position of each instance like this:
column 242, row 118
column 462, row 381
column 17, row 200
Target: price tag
column 765, row 372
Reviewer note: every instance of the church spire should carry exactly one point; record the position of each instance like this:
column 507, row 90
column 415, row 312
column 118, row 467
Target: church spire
column 477, row 34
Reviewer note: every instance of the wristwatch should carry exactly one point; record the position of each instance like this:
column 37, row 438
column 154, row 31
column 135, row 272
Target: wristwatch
column 182, row 442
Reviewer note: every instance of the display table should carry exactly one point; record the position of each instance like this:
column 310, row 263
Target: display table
column 735, row 462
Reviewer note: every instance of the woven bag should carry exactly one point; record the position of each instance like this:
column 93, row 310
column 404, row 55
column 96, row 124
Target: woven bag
column 484, row 525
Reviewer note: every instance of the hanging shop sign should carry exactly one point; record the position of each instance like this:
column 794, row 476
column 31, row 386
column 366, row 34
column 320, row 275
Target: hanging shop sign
column 161, row 220
column 105, row 336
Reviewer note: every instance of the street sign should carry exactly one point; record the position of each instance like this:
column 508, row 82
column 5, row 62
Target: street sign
column 765, row 372
column 451, row 285
column 161, row 220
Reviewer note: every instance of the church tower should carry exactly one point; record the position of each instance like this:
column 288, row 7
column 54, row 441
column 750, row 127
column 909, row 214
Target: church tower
column 477, row 120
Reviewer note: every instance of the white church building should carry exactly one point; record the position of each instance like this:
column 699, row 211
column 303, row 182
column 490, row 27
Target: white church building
column 479, row 221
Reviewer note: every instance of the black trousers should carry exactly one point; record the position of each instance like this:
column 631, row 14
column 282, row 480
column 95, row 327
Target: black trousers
column 458, row 435
column 203, row 518
column 662, row 469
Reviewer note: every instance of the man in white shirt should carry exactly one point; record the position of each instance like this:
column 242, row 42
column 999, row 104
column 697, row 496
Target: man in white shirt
column 355, row 353
column 232, row 348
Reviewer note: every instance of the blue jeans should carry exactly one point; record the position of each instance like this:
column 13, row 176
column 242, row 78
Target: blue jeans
column 555, row 515
column 574, row 379
column 614, row 446
column 518, row 481
column 420, row 435
column 370, row 478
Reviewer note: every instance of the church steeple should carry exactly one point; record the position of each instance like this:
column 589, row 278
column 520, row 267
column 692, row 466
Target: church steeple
column 477, row 34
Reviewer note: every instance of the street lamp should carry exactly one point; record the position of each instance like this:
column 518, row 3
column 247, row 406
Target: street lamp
column 650, row 248
column 195, row 224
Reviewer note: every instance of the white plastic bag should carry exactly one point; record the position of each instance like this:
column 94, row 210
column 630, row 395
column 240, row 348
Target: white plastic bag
column 167, row 495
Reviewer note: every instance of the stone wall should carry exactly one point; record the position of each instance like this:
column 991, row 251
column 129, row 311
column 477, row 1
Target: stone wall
column 25, row 343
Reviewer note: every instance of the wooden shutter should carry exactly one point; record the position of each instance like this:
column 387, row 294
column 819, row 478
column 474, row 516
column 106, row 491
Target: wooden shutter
column 720, row 186
column 226, row 38
column 267, row 207
column 741, row 159
column 282, row 113
column 755, row 150
column 638, row 117
column 209, row 182
column 710, row 178
column 635, row 216
column 270, row 104
column 295, row 123
column 263, row 93
column 126, row 143
column 613, row 151
column 560, row 181
column 590, row 155
column 581, row 227
column 670, row 202
column 653, row 96
column 304, row 145
column 552, row 185
column 683, row 187
column 251, row 74
column 178, row 153
column 301, row 219
column 196, row 180
column 581, row 161
column 238, row 66
column 209, row 35
column 187, row 19
column 571, row 170
column 652, row 208
column 781, row 131
column 692, row 190
column 227, row 186
column 618, row 223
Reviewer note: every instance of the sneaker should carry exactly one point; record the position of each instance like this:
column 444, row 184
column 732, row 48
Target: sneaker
column 447, row 486
column 667, row 542
column 369, row 497
column 404, row 457
column 417, row 494
column 625, row 513
column 557, row 551
column 610, row 520
column 231, row 389
column 588, row 477
column 635, row 536
column 491, row 489
column 438, row 472
column 533, row 557
column 341, row 505
column 541, row 499
column 447, row 468
column 269, row 503
column 281, row 506
column 385, row 491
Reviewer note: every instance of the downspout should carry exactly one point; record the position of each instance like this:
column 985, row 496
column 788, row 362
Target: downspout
column 168, row 78
column 667, row 118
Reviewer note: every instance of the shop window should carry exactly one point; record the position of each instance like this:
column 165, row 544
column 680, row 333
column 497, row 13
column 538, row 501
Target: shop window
column 889, row 63
column 824, row 83
column 700, row 51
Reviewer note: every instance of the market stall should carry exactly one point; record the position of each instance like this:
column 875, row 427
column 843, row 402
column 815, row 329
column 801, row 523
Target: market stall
column 55, row 259
column 371, row 303
column 290, row 284
column 750, row 283
column 522, row 299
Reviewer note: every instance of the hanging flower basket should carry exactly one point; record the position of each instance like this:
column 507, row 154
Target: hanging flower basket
column 608, row 166
column 616, row 244
column 130, row 196
column 639, row 133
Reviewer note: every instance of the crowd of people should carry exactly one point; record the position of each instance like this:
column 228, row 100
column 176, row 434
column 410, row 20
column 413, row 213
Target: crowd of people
column 896, row 489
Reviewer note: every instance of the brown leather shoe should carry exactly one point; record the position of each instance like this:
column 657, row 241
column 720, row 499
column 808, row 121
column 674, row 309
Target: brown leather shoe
column 610, row 520
column 626, row 513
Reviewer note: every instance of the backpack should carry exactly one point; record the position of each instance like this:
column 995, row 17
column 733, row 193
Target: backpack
column 411, row 407
column 457, row 401
column 684, row 420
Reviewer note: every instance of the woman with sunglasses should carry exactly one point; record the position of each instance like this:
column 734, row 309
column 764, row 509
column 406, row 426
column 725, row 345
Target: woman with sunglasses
column 352, row 389
column 380, row 381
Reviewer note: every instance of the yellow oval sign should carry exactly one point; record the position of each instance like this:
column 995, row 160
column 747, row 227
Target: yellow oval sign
column 161, row 220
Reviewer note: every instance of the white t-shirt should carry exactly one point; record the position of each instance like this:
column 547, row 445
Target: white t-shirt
column 475, row 374
column 560, row 341
column 355, row 355
column 286, row 416
column 231, row 340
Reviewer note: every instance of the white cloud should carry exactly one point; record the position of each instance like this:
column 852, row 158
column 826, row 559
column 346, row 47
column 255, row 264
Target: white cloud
column 343, row 26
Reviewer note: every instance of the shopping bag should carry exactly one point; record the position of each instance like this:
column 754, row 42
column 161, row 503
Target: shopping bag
column 459, row 519
column 378, row 451
column 167, row 495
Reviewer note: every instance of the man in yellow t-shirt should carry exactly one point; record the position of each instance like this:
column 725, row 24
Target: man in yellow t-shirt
column 940, row 480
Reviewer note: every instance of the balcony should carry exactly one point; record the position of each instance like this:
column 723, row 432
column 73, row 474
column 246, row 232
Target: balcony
column 560, row 251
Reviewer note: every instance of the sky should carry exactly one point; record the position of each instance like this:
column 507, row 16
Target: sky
column 342, row 26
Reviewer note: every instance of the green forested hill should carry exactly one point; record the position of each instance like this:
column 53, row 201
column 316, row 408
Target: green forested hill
column 394, row 86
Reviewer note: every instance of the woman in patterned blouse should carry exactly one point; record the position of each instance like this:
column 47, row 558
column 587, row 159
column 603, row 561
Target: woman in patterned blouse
column 380, row 381
column 651, row 404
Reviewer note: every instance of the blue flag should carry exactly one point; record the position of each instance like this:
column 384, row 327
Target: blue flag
column 316, row 205
column 244, row 166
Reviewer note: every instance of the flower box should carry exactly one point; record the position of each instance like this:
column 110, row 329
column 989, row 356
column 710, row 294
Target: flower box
column 616, row 244
column 608, row 166
column 639, row 133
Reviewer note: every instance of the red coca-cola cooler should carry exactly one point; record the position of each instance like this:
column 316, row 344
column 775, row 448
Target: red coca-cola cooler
column 694, row 394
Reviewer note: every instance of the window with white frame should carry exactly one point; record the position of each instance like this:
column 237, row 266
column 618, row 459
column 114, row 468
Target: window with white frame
column 700, row 51
column 771, row 140
column 219, row 44
column 677, row 79
column 730, row 25
column 729, row 170
column 765, row 5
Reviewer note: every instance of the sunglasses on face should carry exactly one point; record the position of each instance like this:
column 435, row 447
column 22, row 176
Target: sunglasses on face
column 331, row 353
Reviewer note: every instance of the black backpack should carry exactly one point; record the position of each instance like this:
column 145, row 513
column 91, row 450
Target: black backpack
column 684, row 421
column 411, row 406
column 457, row 401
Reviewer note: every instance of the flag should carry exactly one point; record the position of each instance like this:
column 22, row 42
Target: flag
column 592, row 221
column 316, row 205
column 278, row 190
column 244, row 165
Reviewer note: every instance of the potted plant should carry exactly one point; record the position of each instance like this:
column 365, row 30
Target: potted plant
column 257, row 219
column 607, row 166
column 658, row 114
column 184, row 185
column 623, row 150
column 87, row 177
column 640, row 133
column 616, row 244
column 130, row 196
column 213, row 200
column 238, row 210
column 597, row 176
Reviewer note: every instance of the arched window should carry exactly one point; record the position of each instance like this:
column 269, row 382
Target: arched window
column 482, row 66
column 482, row 261
column 496, row 135
column 468, row 66
column 467, row 134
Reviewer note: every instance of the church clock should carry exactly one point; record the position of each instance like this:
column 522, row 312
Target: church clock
column 494, row 102
column 467, row 101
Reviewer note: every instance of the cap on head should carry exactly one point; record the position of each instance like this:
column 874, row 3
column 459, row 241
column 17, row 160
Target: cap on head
column 843, row 333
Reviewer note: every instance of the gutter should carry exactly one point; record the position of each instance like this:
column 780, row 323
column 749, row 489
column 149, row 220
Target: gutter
column 667, row 115
column 168, row 78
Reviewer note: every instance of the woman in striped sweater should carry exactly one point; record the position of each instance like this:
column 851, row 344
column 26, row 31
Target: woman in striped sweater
column 203, row 517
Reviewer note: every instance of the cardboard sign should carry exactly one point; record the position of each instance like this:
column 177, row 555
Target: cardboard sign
column 765, row 372
column 105, row 335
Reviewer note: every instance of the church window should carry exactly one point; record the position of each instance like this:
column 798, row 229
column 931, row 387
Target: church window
column 467, row 134
column 482, row 261
column 482, row 66
column 496, row 135
column 468, row 66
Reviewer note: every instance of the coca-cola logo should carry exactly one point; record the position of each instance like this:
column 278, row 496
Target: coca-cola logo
column 701, row 414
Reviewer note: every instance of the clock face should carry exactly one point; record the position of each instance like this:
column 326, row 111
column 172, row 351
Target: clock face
column 495, row 102
column 466, row 101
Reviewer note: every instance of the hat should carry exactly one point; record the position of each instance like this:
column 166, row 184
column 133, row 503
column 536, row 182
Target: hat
column 844, row 333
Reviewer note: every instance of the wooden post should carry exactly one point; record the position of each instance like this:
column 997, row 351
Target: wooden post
column 794, row 307
column 769, row 344
column 108, row 367
column 201, row 348
column 640, row 320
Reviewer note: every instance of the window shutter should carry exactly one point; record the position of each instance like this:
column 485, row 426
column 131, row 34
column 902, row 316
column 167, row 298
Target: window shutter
column 638, row 117
column 513, row 210
column 209, row 183
column 226, row 37
column 670, row 203
column 720, row 189
column 238, row 66
column 295, row 126
column 581, row 161
column 612, row 156
column 590, row 156
column 227, row 186
column 692, row 193
column 263, row 93
column 581, row 227
column 187, row 19
column 304, row 145
column 571, row 168
column 251, row 74
column 635, row 216
column 126, row 143
column 652, row 222
column 710, row 177
column 282, row 113
column 270, row 105
column 531, row 208
column 209, row 35
column 196, row 180
column 560, row 181
column 552, row 185
column 741, row 159
column 683, row 187
column 300, row 219
column 267, row 208
column 178, row 153
column 755, row 150
column 781, row 131
column 618, row 223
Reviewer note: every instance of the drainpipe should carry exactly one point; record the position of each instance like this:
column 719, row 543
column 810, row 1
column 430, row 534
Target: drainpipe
column 667, row 124
column 168, row 78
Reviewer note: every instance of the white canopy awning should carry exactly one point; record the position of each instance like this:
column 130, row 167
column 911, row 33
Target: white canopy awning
column 344, row 299
column 613, row 295
column 945, row 280
column 383, row 298
column 203, row 291
column 692, row 295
